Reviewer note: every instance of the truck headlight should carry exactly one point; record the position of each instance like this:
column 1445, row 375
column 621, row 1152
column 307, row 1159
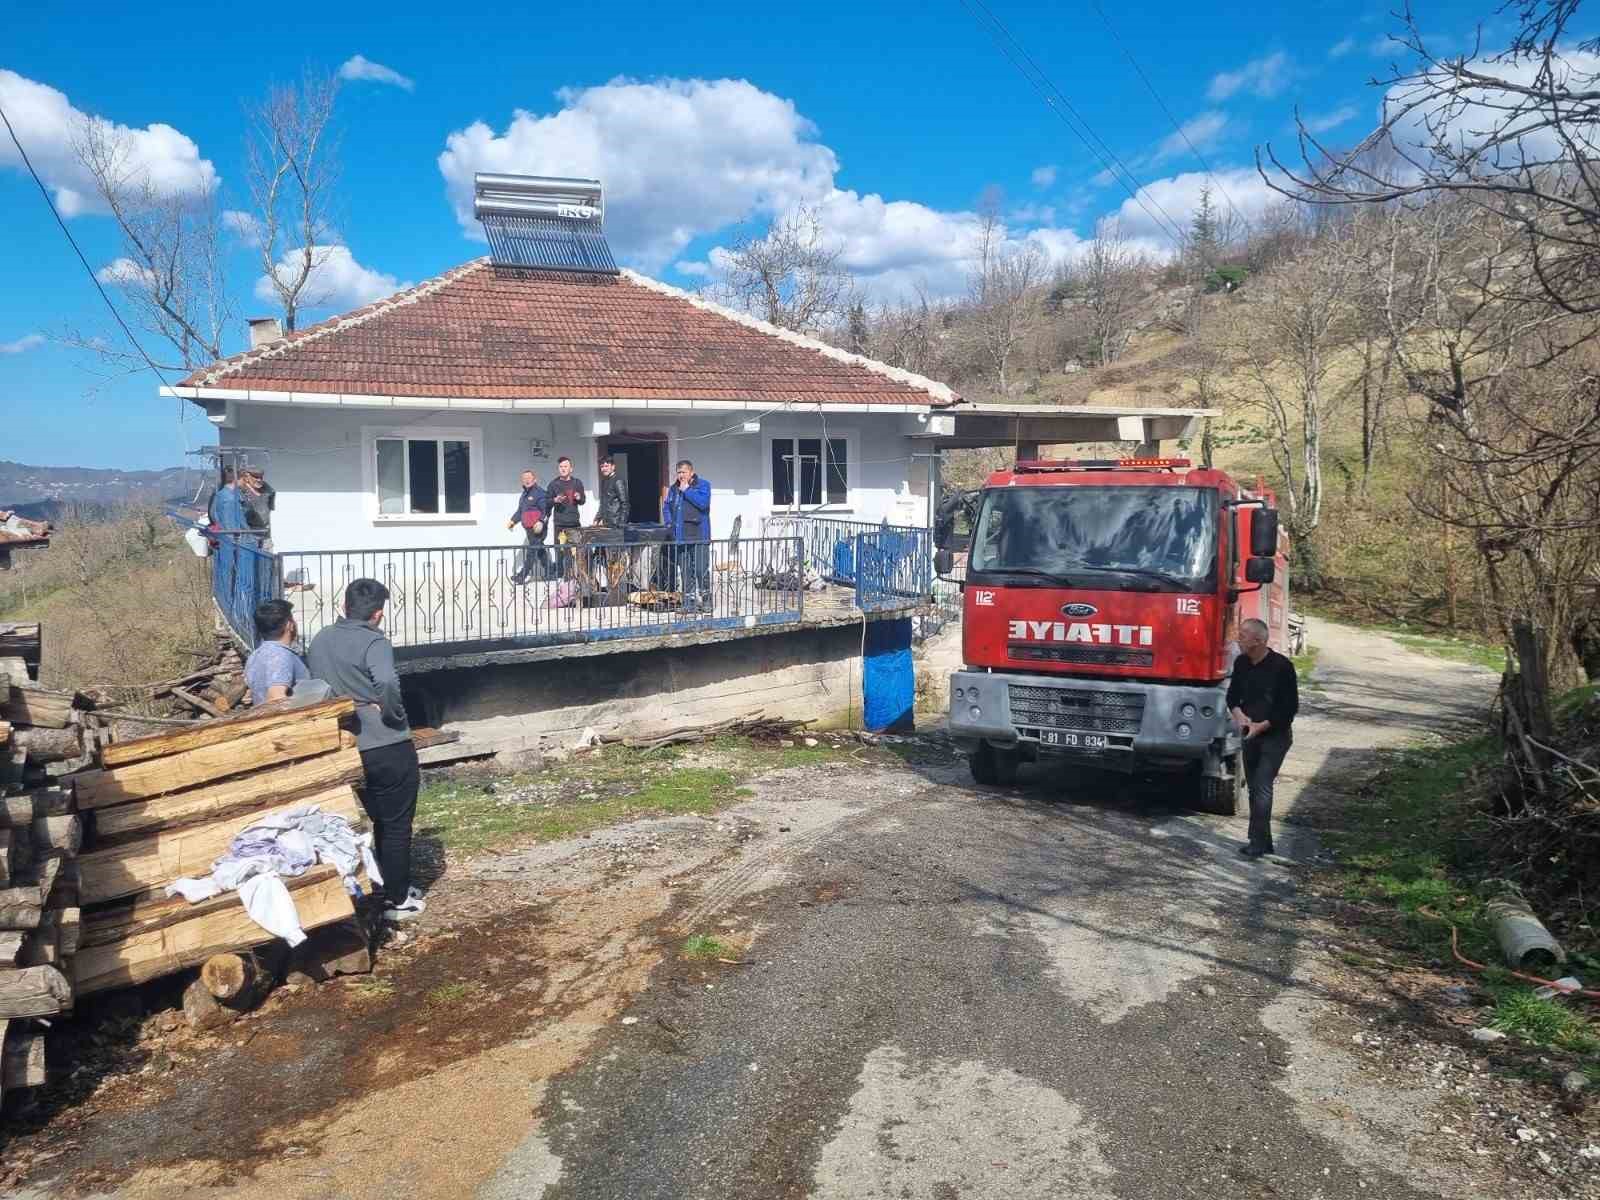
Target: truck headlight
column 975, row 712
column 1184, row 730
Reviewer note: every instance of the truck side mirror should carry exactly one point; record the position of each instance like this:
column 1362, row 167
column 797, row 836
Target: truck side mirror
column 1264, row 533
column 1260, row 570
column 944, row 561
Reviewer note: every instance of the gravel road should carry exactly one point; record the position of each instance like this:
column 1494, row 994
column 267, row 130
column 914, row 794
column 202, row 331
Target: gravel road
column 1070, row 988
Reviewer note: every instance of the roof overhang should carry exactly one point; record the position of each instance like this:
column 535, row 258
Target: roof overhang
column 972, row 426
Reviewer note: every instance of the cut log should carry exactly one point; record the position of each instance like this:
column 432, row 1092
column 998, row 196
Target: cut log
column 30, row 704
column 157, row 860
column 40, row 946
column 34, row 992
column 197, row 702
column 14, row 670
column 20, row 908
column 24, row 640
column 210, row 733
column 24, row 810
column 49, row 745
column 66, row 925
column 229, row 692
column 62, row 834
column 5, row 734
column 190, row 942
column 245, row 753
column 290, row 781
column 150, row 911
column 237, row 980
column 10, row 947
column 9, row 845
column 201, row 1010
column 22, row 1061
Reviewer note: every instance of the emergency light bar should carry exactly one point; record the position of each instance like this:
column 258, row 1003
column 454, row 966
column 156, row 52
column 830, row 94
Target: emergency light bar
column 1098, row 464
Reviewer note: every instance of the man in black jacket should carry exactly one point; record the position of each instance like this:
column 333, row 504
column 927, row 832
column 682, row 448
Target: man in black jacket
column 613, row 495
column 1263, row 697
column 566, row 495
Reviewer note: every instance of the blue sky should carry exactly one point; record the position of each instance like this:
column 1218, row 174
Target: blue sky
column 701, row 120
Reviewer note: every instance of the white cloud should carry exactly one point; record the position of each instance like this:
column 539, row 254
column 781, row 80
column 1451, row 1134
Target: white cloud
column 1322, row 122
column 1264, row 77
column 1045, row 176
column 1342, row 47
column 28, row 341
column 1033, row 214
column 124, row 272
column 360, row 67
column 244, row 226
column 679, row 158
column 337, row 280
column 47, row 124
column 1238, row 188
column 1201, row 131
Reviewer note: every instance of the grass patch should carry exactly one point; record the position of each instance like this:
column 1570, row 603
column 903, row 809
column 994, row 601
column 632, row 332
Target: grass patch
column 703, row 945
column 1456, row 649
column 468, row 813
column 447, row 994
column 1305, row 663
column 1544, row 1022
column 373, row 989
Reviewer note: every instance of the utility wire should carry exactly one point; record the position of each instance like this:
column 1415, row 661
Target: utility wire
column 1056, row 100
column 1176, row 124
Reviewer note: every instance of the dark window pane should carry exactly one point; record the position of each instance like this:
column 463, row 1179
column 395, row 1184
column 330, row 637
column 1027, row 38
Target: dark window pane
column 782, row 476
column 391, row 477
column 457, row 477
column 424, row 460
column 838, row 471
column 810, row 470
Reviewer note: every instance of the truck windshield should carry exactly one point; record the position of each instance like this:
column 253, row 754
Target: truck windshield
column 1154, row 538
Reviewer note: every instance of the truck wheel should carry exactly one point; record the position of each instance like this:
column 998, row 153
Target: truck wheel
column 994, row 767
column 1228, row 796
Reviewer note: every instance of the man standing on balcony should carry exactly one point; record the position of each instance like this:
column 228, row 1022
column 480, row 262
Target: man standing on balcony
column 613, row 495
column 566, row 495
column 532, row 507
column 687, row 512
column 356, row 659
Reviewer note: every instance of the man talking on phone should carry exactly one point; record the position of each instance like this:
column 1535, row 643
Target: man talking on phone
column 1263, row 698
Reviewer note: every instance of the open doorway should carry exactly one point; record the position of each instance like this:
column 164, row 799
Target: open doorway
column 641, row 459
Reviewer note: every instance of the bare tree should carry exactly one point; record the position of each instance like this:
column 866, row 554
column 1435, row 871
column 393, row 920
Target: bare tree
column 792, row 276
column 170, row 272
column 1109, row 280
column 906, row 334
column 292, row 167
column 1003, row 288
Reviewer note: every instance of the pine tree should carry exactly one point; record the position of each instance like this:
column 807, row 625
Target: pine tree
column 1204, row 235
column 858, row 328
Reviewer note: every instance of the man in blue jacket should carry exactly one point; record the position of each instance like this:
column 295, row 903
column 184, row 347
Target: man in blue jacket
column 687, row 512
column 533, row 510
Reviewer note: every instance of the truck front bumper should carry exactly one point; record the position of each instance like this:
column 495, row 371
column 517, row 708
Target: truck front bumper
column 1118, row 724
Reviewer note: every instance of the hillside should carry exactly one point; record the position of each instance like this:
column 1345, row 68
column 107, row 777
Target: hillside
column 46, row 493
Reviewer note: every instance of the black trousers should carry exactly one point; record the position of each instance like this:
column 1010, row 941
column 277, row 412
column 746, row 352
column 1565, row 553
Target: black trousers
column 534, row 563
column 1263, row 757
column 390, row 799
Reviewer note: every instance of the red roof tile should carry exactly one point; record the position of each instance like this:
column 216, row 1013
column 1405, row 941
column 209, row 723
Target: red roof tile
column 477, row 333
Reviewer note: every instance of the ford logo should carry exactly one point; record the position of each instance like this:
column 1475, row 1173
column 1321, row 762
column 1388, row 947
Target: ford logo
column 1078, row 610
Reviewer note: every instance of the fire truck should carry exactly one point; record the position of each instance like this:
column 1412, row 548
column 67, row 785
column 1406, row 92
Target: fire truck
column 1100, row 608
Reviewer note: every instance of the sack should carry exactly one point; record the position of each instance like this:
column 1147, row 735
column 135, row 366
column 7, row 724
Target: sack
column 532, row 519
column 197, row 542
column 564, row 595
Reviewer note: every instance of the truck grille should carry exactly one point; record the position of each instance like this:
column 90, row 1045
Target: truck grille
column 1085, row 712
column 1104, row 656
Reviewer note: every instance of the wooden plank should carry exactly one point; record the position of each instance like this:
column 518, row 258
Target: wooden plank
column 67, row 925
column 157, row 860
column 10, row 843
column 150, row 911
column 22, row 639
column 63, row 834
column 22, row 1060
column 198, row 702
column 27, row 808
column 218, row 760
column 30, row 704
column 10, row 947
column 5, row 733
column 14, row 669
column 34, row 992
column 210, row 733
column 20, row 908
column 424, row 737
column 276, row 785
column 40, row 946
column 188, row 943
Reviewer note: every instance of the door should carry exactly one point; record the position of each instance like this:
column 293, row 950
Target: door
column 641, row 460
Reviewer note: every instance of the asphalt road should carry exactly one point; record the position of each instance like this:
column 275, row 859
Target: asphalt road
column 1072, row 988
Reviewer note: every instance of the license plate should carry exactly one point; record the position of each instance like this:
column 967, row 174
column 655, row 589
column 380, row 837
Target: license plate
column 1087, row 741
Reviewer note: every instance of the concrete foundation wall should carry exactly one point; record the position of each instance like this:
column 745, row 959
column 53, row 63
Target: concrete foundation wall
column 810, row 674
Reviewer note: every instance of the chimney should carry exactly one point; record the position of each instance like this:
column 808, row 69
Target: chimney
column 264, row 331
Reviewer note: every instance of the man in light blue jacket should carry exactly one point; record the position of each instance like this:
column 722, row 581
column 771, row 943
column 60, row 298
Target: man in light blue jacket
column 687, row 512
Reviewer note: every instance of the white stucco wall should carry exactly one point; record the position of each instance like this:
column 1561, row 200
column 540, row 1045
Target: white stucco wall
column 320, row 463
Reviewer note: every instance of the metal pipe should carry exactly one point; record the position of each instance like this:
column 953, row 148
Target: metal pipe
column 576, row 208
column 523, row 185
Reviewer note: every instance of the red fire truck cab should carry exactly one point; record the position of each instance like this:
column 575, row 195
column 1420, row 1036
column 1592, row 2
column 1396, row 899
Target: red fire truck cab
column 1099, row 618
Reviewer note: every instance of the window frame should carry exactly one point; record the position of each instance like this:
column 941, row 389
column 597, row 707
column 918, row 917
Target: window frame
column 371, row 436
column 852, row 464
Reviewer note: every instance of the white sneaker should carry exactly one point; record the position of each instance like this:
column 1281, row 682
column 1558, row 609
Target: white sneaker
column 409, row 910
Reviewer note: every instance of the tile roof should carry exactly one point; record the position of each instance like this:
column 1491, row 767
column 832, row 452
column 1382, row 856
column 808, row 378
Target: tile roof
column 478, row 333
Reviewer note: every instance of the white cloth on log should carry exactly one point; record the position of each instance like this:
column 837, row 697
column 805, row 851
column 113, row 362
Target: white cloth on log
column 286, row 844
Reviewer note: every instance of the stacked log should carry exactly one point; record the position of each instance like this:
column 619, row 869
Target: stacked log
column 165, row 806
column 45, row 734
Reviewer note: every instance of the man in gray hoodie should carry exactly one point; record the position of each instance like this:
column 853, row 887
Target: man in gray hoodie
column 356, row 659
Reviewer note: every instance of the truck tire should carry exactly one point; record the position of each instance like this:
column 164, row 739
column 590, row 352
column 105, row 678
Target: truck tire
column 994, row 767
column 1228, row 796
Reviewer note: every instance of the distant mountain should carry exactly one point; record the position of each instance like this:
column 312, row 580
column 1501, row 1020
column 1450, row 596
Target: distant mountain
column 46, row 493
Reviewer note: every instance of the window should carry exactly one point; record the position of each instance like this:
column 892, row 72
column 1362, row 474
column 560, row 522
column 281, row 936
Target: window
column 424, row 476
column 798, row 461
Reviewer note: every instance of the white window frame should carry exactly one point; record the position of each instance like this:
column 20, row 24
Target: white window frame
column 370, row 436
column 852, row 471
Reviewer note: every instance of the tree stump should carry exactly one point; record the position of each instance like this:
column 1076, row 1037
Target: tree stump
column 201, row 1010
column 237, row 981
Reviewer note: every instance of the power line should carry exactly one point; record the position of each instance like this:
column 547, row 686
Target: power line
column 1183, row 133
column 1056, row 100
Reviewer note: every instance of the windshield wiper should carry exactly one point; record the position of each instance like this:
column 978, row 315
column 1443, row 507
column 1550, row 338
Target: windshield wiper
column 1171, row 580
